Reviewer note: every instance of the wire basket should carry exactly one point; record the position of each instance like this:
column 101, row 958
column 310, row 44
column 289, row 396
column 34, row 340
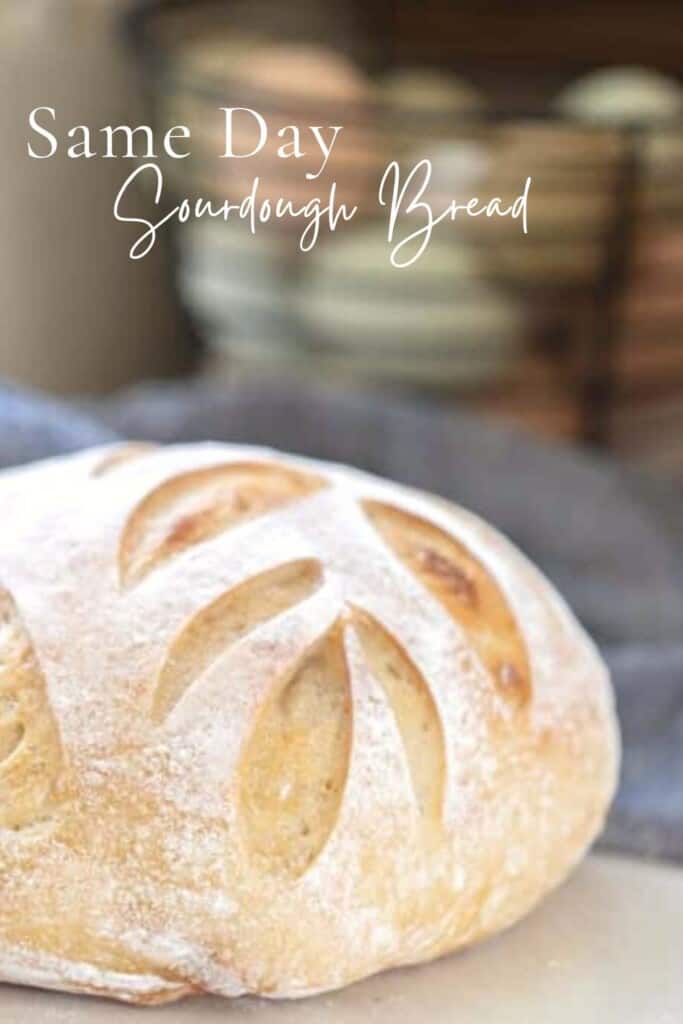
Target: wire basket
column 574, row 328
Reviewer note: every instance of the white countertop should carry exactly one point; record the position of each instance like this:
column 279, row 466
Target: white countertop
column 607, row 948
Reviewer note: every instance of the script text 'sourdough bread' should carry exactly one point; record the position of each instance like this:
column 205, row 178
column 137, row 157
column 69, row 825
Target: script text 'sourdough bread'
column 269, row 725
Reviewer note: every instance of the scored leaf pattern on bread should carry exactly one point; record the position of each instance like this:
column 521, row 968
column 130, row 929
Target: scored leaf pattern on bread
column 415, row 711
column 121, row 455
column 293, row 765
column 465, row 588
column 294, row 768
column 221, row 624
column 200, row 505
column 31, row 758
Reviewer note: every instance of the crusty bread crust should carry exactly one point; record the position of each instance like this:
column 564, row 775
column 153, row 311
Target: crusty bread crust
column 270, row 726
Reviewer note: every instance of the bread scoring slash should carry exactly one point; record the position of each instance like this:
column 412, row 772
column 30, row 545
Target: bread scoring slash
column 269, row 725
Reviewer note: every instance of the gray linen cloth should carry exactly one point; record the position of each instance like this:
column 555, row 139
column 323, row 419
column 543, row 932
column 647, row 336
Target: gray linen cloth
column 611, row 540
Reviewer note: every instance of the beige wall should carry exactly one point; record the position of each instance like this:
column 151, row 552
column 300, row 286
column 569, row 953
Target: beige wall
column 77, row 315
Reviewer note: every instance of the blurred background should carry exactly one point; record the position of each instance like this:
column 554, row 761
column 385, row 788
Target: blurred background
column 574, row 331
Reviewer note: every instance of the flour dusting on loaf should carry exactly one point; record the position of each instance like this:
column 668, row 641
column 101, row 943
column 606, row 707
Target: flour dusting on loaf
column 270, row 726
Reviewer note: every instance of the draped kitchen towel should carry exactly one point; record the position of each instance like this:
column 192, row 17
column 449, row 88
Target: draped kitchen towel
column 610, row 539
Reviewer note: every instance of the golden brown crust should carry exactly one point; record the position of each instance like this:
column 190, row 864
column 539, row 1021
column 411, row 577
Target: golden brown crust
column 268, row 725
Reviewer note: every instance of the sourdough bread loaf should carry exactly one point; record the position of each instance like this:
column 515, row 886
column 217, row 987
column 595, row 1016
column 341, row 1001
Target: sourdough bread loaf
column 269, row 726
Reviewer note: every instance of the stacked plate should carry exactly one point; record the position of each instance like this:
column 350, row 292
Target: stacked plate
column 438, row 321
